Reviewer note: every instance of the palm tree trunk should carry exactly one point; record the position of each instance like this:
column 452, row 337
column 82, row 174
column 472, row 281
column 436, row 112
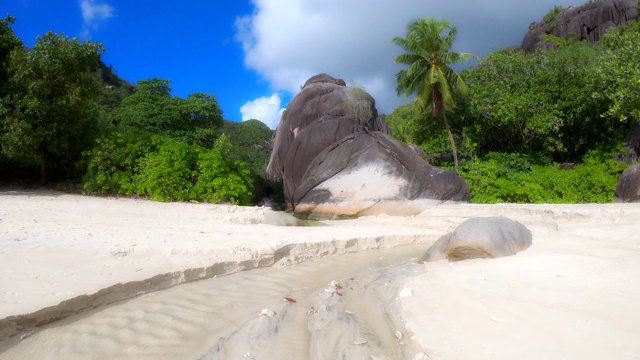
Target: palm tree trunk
column 453, row 143
column 437, row 108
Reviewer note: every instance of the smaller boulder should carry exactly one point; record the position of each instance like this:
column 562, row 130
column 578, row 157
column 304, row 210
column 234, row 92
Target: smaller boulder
column 477, row 238
column 628, row 187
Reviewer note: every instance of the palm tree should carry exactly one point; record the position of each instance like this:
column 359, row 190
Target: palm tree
column 428, row 75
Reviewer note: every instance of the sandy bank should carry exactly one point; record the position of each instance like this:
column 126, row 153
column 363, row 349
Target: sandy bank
column 573, row 294
column 66, row 253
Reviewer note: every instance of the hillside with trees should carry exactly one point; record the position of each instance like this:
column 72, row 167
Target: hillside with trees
column 66, row 117
column 543, row 127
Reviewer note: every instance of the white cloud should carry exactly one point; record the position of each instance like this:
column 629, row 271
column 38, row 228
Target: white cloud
column 288, row 41
column 266, row 109
column 94, row 14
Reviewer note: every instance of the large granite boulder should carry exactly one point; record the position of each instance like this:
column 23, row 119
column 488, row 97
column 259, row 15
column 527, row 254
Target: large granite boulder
column 324, row 112
column 368, row 173
column 628, row 187
column 585, row 22
column 484, row 237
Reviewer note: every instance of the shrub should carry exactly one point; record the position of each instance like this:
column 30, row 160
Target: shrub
column 167, row 172
column 163, row 169
column 111, row 164
column 221, row 179
column 551, row 14
column 514, row 178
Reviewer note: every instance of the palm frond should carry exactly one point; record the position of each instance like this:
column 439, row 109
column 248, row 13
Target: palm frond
column 407, row 58
column 427, row 55
column 453, row 57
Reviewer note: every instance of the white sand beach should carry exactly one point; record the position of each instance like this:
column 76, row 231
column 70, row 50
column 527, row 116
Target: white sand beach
column 96, row 278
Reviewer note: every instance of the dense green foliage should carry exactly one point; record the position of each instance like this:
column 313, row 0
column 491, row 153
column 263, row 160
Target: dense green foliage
column 164, row 169
column 48, row 111
column 251, row 144
column 619, row 72
column 411, row 125
column 403, row 121
column 428, row 75
column 540, row 103
column 152, row 108
column 8, row 42
column 58, row 102
column 526, row 113
column 517, row 178
column 167, row 148
column 251, row 141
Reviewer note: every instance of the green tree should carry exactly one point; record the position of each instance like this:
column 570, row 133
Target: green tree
column 428, row 74
column 619, row 71
column 164, row 169
column 48, row 113
column 541, row 104
column 8, row 42
column 151, row 108
column 402, row 120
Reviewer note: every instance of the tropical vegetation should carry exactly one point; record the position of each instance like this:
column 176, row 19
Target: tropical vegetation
column 66, row 114
column 540, row 127
column 428, row 75
column 48, row 108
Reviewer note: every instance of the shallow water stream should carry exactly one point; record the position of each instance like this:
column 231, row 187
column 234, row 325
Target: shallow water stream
column 340, row 307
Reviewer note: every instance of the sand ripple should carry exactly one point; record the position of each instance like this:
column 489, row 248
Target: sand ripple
column 344, row 308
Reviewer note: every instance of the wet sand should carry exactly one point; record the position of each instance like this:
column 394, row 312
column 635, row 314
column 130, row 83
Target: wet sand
column 333, row 308
column 83, row 279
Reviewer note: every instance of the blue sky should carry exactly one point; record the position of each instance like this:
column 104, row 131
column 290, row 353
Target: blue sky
column 253, row 55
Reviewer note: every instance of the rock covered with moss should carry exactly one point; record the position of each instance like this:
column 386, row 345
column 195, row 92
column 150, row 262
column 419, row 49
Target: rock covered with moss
column 581, row 22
